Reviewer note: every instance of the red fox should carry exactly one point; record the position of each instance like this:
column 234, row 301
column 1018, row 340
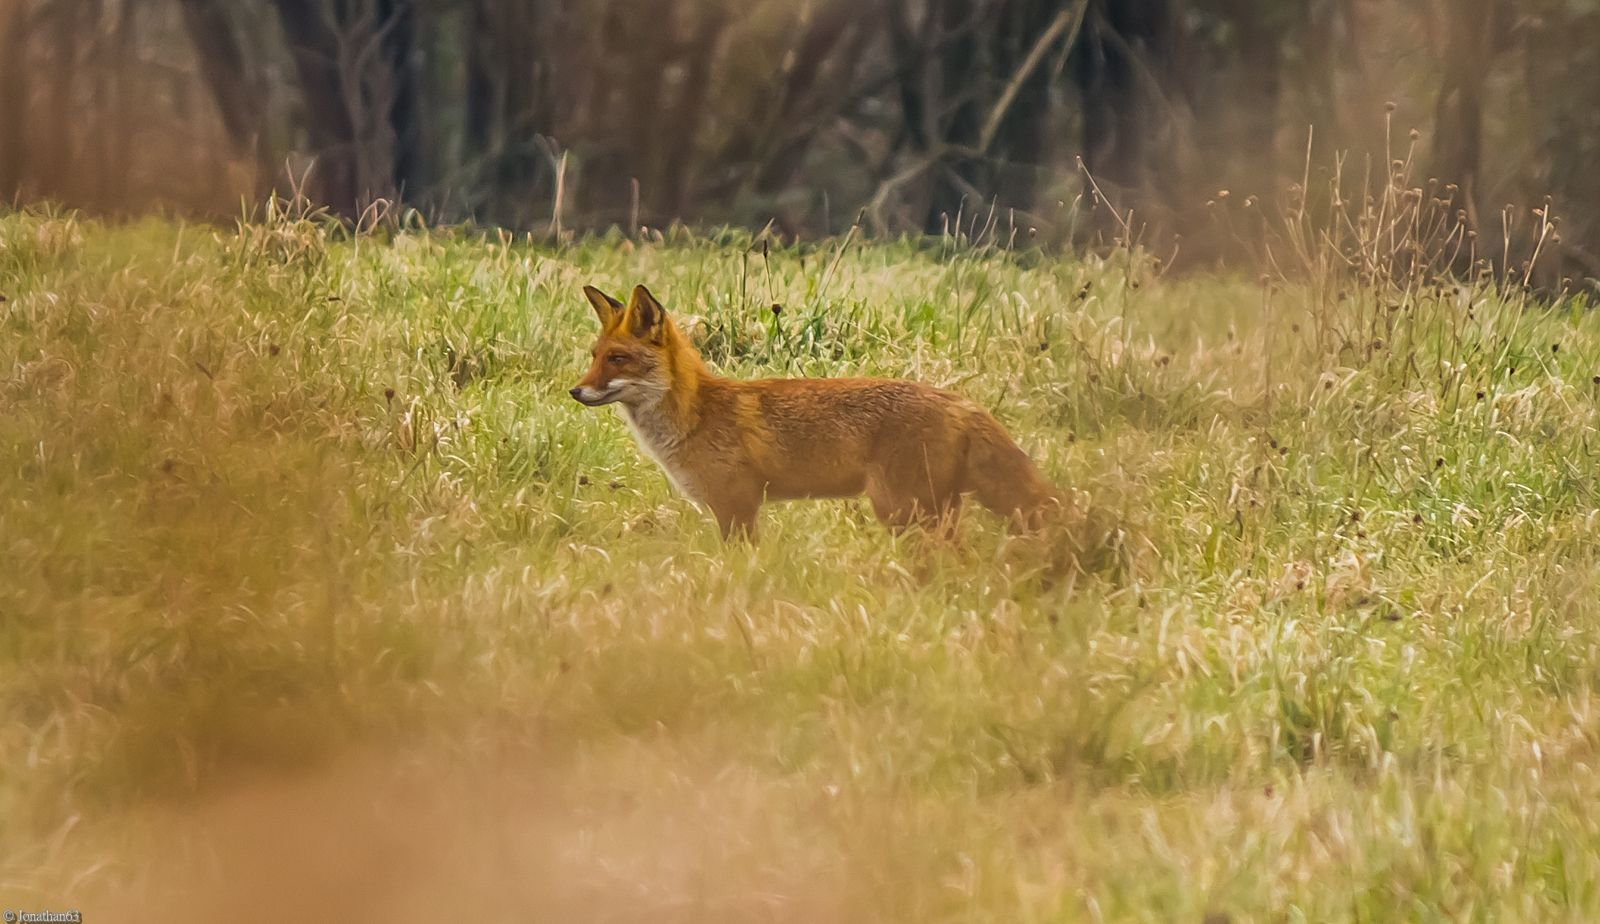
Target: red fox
column 730, row 445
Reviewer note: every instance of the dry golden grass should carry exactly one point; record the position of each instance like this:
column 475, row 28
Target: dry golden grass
column 321, row 598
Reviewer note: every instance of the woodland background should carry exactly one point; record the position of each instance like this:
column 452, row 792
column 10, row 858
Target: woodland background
column 906, row 115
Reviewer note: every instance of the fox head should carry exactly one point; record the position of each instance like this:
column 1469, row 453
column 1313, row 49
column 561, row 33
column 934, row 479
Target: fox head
column 636, row 354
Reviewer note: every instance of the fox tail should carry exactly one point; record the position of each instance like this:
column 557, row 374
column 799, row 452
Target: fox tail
column 1002, row 477
column 1081, row 534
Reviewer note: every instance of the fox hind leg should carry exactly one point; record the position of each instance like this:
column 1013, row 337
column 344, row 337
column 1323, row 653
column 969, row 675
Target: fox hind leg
column 736, row 517
column 937, row 512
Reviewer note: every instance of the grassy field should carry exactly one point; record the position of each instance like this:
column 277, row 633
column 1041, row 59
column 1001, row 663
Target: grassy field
column 321, row 599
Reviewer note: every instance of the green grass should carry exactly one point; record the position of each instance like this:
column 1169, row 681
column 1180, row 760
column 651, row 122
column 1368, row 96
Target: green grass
column 317, row 584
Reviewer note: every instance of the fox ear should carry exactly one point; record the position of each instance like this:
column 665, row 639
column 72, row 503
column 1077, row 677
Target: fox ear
column 647, row 320
column 606, row 308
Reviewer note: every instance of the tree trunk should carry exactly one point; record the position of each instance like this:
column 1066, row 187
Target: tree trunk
column 506, row 108
column 1458, row 119
column 484, row 81
column 315, row 48
column 222, row 66
column 680, row 129
column 1127, row 46
column 1563, row 68
column 962, row 80
column 1255, row 157
column 649, row 24
column 55, row 174
column 1114, row 117
column 397, row 21
column 783, row 151
column 14, row 35
column 525, row 103
column 238, row 98
column 1019, row 142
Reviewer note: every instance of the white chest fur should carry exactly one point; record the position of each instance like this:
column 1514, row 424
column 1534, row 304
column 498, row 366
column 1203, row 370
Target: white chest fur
column 661, row 441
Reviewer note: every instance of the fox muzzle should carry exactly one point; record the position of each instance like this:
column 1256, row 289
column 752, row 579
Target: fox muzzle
column 594, row 397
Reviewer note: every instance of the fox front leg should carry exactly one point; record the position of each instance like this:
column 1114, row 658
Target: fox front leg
column 736, row 518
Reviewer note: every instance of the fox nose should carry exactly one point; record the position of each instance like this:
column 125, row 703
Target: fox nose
column 577, row 393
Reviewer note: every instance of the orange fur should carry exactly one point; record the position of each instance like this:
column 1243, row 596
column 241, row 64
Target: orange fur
column 730, row 445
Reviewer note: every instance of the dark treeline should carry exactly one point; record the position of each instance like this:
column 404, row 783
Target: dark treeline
column 918, row 114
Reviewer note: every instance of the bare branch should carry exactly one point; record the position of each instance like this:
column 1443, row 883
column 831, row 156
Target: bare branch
column 1066, row 19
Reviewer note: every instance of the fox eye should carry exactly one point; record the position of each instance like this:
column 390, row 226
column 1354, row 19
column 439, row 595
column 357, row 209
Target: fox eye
column 616, row 359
